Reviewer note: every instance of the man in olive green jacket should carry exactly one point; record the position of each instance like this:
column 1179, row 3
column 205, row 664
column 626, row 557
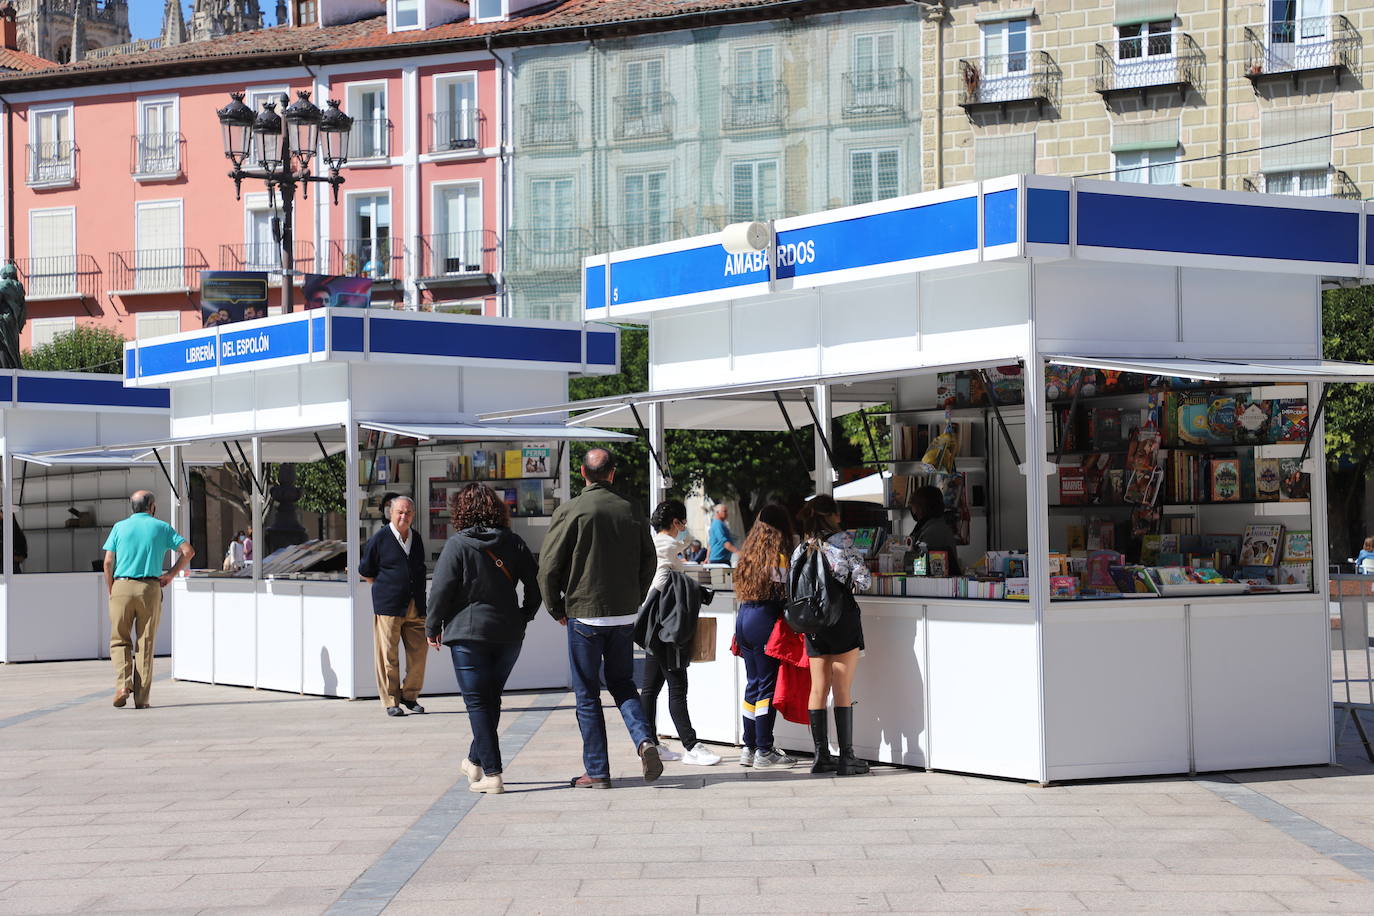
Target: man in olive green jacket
column 595, row 568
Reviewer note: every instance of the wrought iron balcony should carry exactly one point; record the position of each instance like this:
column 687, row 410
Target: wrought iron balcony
column 455, row 131
column 755, row 105
column 459, row 259
column 67, row 276
column 550, row 123
column 1169, row 60
column 1003, row 79
column 633, row 235
column 156, row 270
column 156, row 155
column 876, row 93
column 644, row 116
column 1293, row 47
column 382, row 259
column 370, row 139
column 1330, row 182
column 51, row 164
column 266, row 256
column 546, row 250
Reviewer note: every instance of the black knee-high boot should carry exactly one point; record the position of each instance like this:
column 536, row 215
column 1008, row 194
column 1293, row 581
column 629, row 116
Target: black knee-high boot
column 820, row 736
column 849, row 765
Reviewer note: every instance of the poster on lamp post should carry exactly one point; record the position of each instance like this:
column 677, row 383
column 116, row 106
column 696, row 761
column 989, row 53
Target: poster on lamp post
column 354, row 292
column 228, row 296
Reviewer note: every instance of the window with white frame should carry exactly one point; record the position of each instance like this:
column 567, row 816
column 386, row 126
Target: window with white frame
column 1146, row 152
column 368, row 248
column 753, row 190
column 643, row 102
column 552, row 241
column 158, row 142
column 370, row 138
column 1140, row 41
column 1299, row 32
column 43, row 331
column 52, row 149
column 156, row 324
column 489, row 9
column 1295, row 157
column 754, row 97
column 254, row 99
column 644, row 201
column 405, row 14
column 874, row 73
column 549, row 114
column 874, row 174
column 1006, row 47
column 455, row 118
column 159, row 261
column 995, row 156
column 260, row 249
column 457, row 246
column 52, row 244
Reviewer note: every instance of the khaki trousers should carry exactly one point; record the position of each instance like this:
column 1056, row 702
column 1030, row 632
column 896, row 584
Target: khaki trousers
column 386, row 633
column 134, row 604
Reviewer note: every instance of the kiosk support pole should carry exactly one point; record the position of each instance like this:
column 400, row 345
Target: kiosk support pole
column 255, row 504
column 354, row 552
column 658, row 485
column 8, row 499
column 825, row 480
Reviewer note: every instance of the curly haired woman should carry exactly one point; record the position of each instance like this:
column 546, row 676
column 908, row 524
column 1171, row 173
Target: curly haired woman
column 760, row 586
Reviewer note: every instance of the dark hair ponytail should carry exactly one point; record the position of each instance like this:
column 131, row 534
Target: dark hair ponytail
column 814, row 518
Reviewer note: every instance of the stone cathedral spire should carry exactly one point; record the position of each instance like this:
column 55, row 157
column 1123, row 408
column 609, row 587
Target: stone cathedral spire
column 173, row 24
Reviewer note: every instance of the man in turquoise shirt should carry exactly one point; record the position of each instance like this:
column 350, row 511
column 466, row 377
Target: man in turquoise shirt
column 134, row 554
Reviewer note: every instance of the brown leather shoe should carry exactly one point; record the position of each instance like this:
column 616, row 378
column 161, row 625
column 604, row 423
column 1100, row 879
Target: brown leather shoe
column 590, row 782
column 121, row 697
column 142, row 705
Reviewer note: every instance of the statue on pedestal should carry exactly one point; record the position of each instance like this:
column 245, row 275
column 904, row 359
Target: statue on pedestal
column 13, row 312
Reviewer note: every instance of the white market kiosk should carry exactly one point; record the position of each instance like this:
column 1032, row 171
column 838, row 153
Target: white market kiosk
column 57, row 609
column 296, row 385
column 866, row 304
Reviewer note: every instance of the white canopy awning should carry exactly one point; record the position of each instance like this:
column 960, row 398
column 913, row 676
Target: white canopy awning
column 91, row 459
column 870, row 489
column 495, row 431
column 295, row 445
column 1256, row 371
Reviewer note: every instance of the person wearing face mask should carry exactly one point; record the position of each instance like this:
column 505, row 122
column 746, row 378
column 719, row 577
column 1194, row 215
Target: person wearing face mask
column 669, row 523
column 927, row 507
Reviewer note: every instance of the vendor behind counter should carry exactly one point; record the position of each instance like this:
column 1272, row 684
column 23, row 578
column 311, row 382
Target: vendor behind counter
column 927, row 507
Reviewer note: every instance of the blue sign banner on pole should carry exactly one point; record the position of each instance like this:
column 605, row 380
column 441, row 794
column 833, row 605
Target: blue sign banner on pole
column 255, row 345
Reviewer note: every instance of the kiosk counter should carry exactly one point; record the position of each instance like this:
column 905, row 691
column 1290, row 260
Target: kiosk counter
column 1118, row 391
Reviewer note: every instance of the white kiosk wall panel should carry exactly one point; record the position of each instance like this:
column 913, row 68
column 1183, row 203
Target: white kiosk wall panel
column 686, row 347
column 337, row 652
column 968, row 312
column 193, row 637
column 280, row 665
column 766, row 332
column 1251, row 314
column 235, row 634
column 1261, row 694
column 1132, row 304
column 879, row 329
column 1116, row 699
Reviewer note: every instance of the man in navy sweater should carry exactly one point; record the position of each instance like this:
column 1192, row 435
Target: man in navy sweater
column 393, row 560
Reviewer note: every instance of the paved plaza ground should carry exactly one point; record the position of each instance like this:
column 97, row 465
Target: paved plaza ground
column 222, row 799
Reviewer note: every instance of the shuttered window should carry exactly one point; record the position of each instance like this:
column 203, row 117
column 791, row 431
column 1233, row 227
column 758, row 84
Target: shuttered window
column 157, row 324
column 1134, row 12
column 1305, row 135
column 43, row 330
column 159, row 259
column 997, row 156
column 52, row 251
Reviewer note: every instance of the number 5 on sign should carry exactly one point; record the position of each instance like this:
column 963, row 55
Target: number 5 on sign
column 615, row 294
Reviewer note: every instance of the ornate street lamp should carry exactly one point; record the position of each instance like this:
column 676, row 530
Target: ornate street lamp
column 284, row 147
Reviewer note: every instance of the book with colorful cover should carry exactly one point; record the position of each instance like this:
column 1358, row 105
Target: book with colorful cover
column 1063, row 586
column 1061, row 381
column 1221, row 420
column 1260, row 545
column 1104, row 428
column 1098, row 571
column 1297, row 573
column 1225, row 480
column 1267, row 479
column 1253, row 420
column 1290, row 420
column 1072, row 487
column 513, row 465
column 1190, row 412
column 530, row 497
column 1294, row 484
column 1297, row 545
column 536, row 457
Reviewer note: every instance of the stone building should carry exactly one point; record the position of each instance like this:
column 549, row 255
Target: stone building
column 47, row 28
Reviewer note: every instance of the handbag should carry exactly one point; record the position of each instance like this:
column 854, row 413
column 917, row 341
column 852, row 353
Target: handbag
column 815, row 597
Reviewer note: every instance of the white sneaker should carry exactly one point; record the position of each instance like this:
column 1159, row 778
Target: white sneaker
column 772, row 759
column 746, row 756
column 699, row 756
column 665, row 753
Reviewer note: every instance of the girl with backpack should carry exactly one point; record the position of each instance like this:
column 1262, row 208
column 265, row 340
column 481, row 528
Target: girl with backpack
column 834, row 650
column 760, row 587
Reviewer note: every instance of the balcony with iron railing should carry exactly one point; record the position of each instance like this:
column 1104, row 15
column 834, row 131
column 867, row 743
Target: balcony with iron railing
column 147, row 271
column 382, row 259
column 266, row 256
column 1004, row 79
column 455, row 131
column 1331, row 182
column 458, row 259
column 68, row 276
column 156, row 156
column 1168, row 60
column 549, row 123
column 876, row 93
column 370, row 140
column 754, row 106
column 1294, row 47
column 530, row 251
column 51, row 165
column 644, row 116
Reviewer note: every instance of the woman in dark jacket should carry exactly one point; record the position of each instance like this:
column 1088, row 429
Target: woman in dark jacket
column 474, row 610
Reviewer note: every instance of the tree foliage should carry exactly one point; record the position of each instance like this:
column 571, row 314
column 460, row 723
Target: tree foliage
column 87, row 348
column 322, row 485
column 1348, row 334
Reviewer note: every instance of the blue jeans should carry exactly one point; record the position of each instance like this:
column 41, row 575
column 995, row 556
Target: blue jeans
column 482, row 669
column 753, row 626
column 590, row 649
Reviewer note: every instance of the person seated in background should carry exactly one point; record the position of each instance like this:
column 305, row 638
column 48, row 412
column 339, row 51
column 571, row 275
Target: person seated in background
column 695, row 553
column 1364, row 560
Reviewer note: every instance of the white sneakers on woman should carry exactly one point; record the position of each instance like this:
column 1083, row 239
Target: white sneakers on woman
column 699, row 756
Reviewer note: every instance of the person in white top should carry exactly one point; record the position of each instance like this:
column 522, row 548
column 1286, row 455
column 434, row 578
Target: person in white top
column 669, row 524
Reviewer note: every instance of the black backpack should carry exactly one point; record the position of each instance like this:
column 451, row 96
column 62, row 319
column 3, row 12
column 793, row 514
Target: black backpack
column 815, row 598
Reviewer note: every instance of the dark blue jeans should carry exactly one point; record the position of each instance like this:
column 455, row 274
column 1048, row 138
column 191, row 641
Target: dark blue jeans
column 753, row 625
column 482, row 669
column 590, row 650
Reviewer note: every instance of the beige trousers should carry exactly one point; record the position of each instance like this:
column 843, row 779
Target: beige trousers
column 387, row 632
column 134, row 604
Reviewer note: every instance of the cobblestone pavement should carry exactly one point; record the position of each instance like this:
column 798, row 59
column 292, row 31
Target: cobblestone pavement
column 220, row 800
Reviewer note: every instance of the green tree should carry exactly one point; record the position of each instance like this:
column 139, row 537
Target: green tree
column 86, row 348
column 1348, row 334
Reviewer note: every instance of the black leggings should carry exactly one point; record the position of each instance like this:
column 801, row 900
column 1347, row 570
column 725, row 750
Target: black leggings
column 654, row 678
